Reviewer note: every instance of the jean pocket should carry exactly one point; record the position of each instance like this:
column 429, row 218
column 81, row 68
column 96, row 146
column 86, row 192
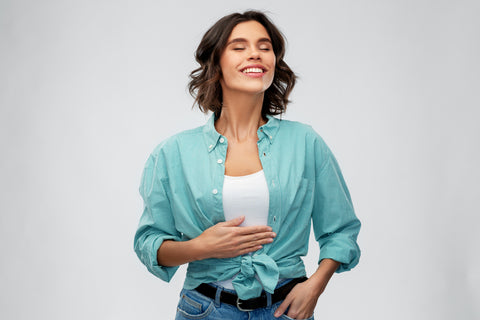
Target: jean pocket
column 193, row 305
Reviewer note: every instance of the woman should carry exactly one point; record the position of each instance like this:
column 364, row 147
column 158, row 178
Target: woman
column 236, row 197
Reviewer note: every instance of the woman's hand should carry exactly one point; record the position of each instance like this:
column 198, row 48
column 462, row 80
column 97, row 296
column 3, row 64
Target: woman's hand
column 302, row 299
column 227, row 239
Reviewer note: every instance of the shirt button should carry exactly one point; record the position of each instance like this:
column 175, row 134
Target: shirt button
column 219, row 161
column 271, row 137
column 210, row 146
column 214, row 191
column 222, row 140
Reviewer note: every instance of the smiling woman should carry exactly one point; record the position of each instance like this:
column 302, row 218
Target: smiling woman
column 247, row 62
column 235, row 198
column 205, row 85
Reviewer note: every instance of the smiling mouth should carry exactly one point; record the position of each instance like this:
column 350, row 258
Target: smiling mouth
column 253, row 70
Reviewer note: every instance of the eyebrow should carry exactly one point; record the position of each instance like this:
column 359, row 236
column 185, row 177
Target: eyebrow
column 241, row 40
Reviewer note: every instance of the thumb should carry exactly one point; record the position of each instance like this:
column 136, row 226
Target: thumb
column 234, row 222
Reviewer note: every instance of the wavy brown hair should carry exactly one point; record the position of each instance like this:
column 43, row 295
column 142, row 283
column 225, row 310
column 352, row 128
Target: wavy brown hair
column 204, row 85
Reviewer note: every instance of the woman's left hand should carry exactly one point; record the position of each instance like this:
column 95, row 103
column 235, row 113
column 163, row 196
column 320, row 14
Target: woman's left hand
column 301, row 301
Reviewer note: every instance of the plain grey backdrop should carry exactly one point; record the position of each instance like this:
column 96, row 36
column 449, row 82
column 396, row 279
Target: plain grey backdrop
column 89, row 88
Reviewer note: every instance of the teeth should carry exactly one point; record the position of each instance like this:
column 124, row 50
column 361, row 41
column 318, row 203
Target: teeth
column 252, row 70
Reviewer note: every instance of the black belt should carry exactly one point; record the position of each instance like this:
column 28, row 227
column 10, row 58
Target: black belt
column 250, row 304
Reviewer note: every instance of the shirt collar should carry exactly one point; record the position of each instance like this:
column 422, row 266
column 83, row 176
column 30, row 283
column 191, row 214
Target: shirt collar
column 267, row 131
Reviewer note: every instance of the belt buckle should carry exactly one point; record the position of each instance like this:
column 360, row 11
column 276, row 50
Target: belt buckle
column 239, row 302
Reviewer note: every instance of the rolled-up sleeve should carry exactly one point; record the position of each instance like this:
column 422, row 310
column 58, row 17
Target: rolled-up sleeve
column 335, row 224
column 156, row 223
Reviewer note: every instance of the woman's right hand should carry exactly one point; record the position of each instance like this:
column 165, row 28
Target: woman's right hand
column 227, row 239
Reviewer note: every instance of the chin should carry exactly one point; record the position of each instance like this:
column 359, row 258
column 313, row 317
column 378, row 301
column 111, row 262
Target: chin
column 246, row 87
column 252, row 89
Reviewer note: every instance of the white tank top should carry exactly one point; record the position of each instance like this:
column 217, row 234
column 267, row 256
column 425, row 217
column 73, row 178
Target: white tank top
column 248, row 196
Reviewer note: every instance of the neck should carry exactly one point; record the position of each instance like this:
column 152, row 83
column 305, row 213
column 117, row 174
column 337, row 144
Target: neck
column 241, row 117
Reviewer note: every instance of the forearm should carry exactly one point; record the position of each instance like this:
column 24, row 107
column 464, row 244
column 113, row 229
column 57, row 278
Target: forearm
column 174, row 253
column 324, row 272
column 223, row 240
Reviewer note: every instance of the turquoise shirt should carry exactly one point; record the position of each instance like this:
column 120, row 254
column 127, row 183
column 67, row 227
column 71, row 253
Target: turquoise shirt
column 182, row 187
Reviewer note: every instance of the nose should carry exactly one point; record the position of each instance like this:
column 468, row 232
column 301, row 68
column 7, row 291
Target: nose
column 254, row 54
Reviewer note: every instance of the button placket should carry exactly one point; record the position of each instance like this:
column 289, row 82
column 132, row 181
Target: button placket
column 269, row 168
column 217, row 182
column 218, row 155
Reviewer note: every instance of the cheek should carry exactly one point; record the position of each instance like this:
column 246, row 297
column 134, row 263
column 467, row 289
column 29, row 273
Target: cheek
column 227, row 66
column 273, row 61
column 227, row 76
column 273, row 64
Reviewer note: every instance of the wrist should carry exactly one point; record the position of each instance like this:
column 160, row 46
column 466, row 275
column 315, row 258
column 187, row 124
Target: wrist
column 317, row 284
column 322, row 276
column 197, row 249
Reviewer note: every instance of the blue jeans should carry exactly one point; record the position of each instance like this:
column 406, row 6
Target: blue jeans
column 194, row 305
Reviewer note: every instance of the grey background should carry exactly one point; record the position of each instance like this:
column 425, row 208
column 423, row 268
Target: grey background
column 88, row 88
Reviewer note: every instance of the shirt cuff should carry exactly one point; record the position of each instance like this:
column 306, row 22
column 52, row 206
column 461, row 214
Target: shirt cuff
column 162, row 272
column 348, row 257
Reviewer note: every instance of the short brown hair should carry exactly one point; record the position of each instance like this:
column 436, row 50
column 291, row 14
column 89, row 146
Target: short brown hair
column 204, row 85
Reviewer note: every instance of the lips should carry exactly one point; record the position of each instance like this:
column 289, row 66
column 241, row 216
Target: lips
column 254, row 71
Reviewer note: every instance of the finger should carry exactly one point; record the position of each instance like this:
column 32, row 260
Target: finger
column 282, row 307
column 243, row 244
column 249, row 249
column 233, row 222
column 256, row 237
column 254, row 229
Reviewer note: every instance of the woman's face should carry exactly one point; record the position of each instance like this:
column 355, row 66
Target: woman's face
column 248, row 60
